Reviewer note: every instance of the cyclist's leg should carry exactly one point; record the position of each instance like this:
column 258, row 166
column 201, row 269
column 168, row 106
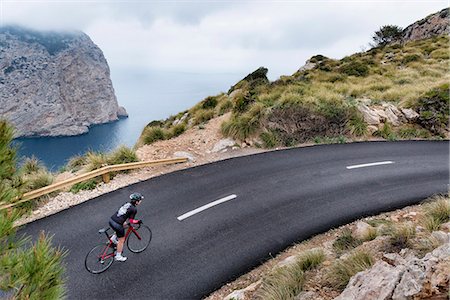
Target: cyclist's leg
column 120, row 232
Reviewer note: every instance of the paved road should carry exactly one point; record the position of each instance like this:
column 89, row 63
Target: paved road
column 281, row 197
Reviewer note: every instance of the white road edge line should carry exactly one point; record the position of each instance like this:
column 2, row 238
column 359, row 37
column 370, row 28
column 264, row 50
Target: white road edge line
column 204, row 207
column 370, row 164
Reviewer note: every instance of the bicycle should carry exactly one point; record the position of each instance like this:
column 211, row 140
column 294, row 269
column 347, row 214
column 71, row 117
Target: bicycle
column 101, row 257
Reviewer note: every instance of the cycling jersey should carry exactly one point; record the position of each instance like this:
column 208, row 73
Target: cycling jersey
column 127, row 210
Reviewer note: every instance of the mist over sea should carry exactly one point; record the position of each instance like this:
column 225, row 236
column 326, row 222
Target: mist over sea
column 146, row 97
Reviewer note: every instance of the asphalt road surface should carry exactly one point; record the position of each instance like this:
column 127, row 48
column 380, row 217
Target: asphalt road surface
column 266, row 202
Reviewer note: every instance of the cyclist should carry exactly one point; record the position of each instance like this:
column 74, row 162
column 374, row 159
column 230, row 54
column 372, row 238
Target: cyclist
column 118, row 221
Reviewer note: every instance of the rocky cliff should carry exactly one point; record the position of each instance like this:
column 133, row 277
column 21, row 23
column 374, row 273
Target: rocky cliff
column 433, row 25
column 54, row 84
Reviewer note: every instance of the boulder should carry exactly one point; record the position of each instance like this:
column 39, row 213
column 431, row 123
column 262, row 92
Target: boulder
column 410, row 114
column 419, row 278
column 122, row 112
column 402, row 277
column 309, row 295
column 240, row 294
column 361, row 230
column 376, row 283
column 182, row 154
column 180, row 120
column 370, row 116
column 223, row 144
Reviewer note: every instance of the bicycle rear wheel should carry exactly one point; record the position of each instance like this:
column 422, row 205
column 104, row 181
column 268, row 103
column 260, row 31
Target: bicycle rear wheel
column 99, row 259
column 138, row 241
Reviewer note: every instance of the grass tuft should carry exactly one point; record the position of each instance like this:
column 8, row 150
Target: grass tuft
column 437, row 212
column 346, row 241
column 342, row 270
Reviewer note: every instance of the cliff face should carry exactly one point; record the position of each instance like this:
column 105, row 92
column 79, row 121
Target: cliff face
column 433, row 25
column 54, row 84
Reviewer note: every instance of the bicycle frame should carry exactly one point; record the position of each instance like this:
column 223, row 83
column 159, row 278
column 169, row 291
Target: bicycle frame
column 111, row 244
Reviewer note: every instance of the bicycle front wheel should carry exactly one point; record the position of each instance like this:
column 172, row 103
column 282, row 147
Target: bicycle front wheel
column 99, row 259
column 139, row 239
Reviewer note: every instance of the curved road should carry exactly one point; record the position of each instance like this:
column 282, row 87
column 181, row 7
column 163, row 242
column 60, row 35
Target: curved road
column 281, row 197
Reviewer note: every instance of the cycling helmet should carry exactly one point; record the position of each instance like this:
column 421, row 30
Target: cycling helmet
column 136, row 197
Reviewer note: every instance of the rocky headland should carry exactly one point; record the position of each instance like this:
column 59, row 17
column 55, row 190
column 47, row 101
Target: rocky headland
column 54, row 84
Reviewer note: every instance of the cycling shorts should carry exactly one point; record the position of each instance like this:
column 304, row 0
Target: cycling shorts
column 118, row 228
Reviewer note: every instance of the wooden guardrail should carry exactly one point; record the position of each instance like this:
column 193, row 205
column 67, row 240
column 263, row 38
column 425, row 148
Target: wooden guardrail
column 104, row 172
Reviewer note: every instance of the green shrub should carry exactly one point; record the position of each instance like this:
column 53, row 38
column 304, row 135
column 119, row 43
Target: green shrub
column 76, row 163
column 37, row 272
column 225, row 107
column 342, row 270
column 436, row 213
column 433, row 109
column 410, row 58
column 85, row 185
column 31, row 165
column 354, row 68
column 386, row 132
column 241, row 102
column 310, row 259
column 209, row 103
column 282, row 283
column 177, row 130
column 318, row 58
column 442, row 54
column 269, row 139
column 202, row 116
column 400, row 236
column 345, row 241
column 37, row 180
column 95, row 160
column 357, row 126
column 243, row 126
column 122, row 155
column 152, row 134
column 155, row 123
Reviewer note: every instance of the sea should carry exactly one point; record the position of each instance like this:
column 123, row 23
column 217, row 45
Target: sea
column 147, row 96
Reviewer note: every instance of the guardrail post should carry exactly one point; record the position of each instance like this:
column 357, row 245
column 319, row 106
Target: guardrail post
column 106, row 177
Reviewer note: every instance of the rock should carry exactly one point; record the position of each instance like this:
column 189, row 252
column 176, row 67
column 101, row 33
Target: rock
column 418, row 274
column 240, row 294
column 308, row 66
column 54, row 83
column 234, row 93
column 410, row 114
column 184, row 154
column 254, row 79
column 394, row 259
column 371, row 129
column 392, row 117
column 433, row 25
column 310, row 295
column 122, row 112
column 445, row 227
column 407, row 278
column 361, row 230
column 370, row 117
column 180, row 120
column 287, row 261
column 441, row 236
column 381, row 114
column 376, row 283
column 223, row 144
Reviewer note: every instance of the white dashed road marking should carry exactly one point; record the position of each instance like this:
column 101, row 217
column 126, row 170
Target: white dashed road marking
column 204, row 207
column 370, row 164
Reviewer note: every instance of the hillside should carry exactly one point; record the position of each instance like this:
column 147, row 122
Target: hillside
column 397, row 91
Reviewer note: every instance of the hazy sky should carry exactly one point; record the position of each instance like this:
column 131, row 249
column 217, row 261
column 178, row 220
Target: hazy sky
column 218, row 36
